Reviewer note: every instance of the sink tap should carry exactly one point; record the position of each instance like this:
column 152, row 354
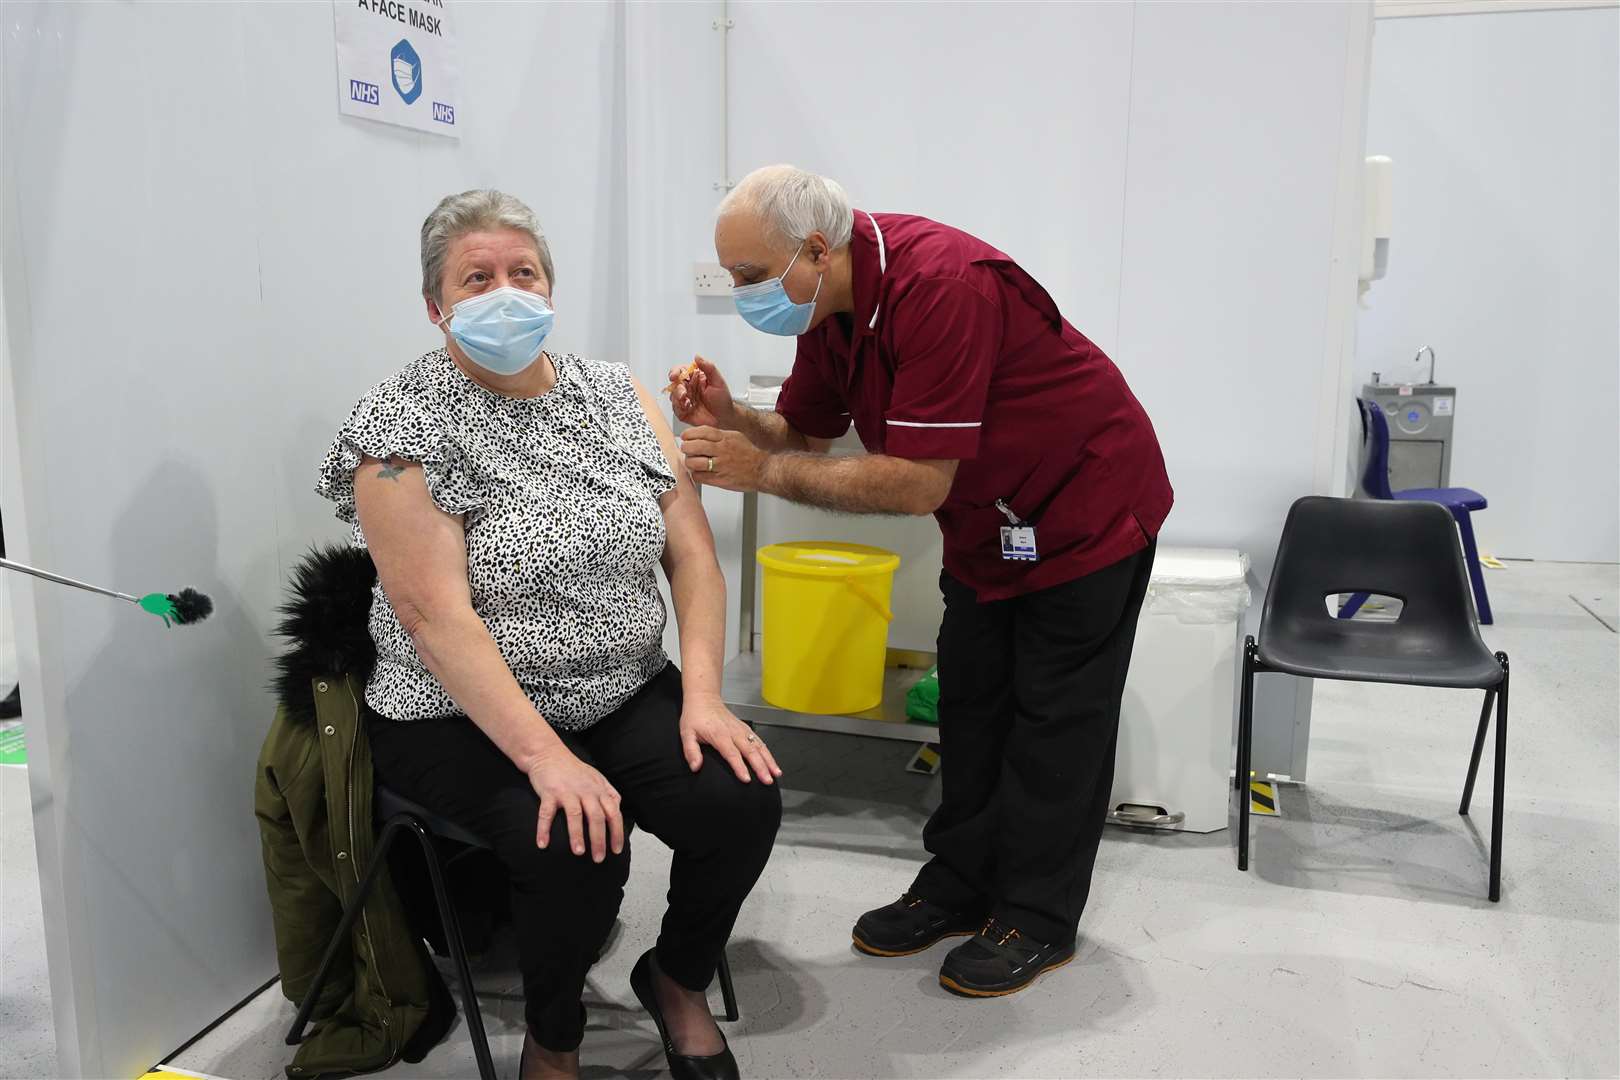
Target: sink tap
column 1418, row 359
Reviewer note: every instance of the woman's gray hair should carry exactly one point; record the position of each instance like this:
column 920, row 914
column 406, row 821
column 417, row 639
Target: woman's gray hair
column 793, row 204
column 475, row 211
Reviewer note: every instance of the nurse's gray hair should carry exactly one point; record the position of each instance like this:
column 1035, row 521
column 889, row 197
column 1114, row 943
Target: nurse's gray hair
column 479, row 210
column 793, row 204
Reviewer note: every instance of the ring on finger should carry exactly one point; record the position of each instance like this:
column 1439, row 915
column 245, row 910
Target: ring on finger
column 711, row 464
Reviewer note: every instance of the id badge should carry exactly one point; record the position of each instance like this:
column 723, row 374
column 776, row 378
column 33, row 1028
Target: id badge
column 1018, row 543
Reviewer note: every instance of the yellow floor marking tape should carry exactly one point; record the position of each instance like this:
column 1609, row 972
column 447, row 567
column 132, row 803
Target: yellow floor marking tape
column 925, row 761
column 1263, row 797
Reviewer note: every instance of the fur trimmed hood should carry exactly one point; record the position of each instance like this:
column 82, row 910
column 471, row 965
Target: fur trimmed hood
column 326, row 623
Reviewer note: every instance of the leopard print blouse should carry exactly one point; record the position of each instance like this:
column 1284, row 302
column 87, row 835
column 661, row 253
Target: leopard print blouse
column 559, row 497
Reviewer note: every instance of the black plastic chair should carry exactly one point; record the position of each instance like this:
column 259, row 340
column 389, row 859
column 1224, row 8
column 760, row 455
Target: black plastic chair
column 1407, row 550
column 400, row 815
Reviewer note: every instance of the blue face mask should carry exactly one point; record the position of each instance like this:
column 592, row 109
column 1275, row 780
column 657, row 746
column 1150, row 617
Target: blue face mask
column 766, row 305
column 501, row 330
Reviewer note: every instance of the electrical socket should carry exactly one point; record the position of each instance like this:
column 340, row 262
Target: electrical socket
column 711, row 279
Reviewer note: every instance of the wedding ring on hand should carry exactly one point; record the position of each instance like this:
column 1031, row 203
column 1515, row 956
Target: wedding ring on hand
column 753, row 738
column 711, row 464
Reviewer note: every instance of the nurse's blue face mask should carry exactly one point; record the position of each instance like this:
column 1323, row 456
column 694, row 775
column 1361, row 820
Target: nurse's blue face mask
column 766, row 306
column 501, row 330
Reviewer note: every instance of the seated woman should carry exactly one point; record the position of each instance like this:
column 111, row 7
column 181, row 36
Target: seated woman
column 515, row 502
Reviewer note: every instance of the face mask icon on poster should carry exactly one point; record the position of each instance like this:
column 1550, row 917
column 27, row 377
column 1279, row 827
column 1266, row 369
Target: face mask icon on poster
column 404, row 74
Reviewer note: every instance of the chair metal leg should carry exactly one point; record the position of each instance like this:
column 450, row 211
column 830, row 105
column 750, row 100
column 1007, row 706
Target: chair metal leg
column 458, row 950
column 1353, row 605
column 340, row 937
column 1501, row 777
column 728, row 992
column 1479, row 746
column 1245, row 725
column 1465, row 525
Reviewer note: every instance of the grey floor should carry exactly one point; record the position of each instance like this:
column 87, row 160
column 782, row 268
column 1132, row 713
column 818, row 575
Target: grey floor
column 1359, row 945
column 27, row 1035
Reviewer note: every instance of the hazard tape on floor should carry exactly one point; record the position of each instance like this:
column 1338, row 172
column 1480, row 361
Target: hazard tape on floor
column 925, row 760
column 1263, row 798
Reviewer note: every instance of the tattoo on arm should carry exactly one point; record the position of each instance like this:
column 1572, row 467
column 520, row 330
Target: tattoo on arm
column 391, row 469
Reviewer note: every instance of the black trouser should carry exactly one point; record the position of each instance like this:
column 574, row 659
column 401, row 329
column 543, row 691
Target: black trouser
column 720, row 829
column 1030, row 690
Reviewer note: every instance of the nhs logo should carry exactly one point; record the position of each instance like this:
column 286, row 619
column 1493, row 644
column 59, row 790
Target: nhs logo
column 364, row 92
column 444, row 114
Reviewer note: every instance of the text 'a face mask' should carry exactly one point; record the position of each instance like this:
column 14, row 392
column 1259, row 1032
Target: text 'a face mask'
column 502, row 330
column 766, row 305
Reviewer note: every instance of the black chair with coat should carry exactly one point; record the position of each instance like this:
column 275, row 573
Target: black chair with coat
column 332, row 591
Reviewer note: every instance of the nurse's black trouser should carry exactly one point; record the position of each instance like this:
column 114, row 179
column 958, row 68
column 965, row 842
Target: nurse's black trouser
column 1030, row 690
column 563, row 905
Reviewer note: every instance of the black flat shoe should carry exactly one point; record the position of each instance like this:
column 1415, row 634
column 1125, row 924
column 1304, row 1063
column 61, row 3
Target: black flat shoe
column 721, row 1066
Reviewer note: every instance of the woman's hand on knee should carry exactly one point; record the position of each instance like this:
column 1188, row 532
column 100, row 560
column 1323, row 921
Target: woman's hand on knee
column 710, row 723
column 589, row 804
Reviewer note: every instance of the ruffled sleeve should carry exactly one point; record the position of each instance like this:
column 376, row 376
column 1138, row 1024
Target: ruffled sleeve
column 644, row 447
column 391, row 422
column 631, row 429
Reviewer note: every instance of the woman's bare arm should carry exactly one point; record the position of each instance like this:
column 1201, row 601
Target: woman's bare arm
column 421, row 557
column 699, row 591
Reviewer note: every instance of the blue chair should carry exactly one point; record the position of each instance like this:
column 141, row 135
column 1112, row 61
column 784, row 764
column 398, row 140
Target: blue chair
column 1462, row 502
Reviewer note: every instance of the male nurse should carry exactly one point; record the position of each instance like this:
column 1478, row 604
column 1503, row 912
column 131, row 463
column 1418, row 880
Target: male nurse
column 978, row 403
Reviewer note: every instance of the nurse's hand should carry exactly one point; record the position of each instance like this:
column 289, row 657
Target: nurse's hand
column 707, row 722
column 583, row 796
column 702, row 398
column 722, row 459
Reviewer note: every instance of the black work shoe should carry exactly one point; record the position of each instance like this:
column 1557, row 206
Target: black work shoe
column 11, row 704
column 910, row 925
column 999, row 961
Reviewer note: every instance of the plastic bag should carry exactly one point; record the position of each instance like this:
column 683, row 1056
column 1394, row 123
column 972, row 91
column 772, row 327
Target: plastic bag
column 922, row 700
column 1199, row 585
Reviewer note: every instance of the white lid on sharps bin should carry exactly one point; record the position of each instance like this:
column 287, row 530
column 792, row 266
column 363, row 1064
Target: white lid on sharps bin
column 1199, row 585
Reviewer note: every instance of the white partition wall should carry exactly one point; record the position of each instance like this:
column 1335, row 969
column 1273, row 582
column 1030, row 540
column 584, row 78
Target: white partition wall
column 1505, row 131
column 1011, row 121
column 205, row 266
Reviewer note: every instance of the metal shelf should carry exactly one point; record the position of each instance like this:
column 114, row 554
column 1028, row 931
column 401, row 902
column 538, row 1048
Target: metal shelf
column 741, row 690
